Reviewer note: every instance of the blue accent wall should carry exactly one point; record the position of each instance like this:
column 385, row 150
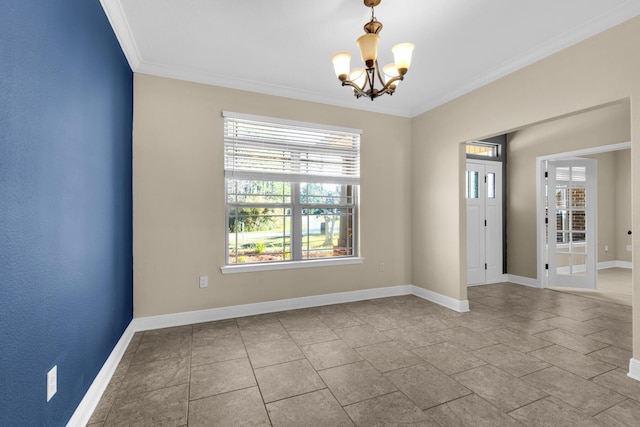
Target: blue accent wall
column 66, row 286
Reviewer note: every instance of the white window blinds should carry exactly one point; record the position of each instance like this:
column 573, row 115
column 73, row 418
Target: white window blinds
column 272, row 149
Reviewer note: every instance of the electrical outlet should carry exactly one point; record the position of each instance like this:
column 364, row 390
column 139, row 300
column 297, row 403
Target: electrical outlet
column 381, row 267
column 52, row 382
column 204, row 281
column 629, row 248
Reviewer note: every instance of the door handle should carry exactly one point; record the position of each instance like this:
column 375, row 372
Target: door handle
column 629, row 232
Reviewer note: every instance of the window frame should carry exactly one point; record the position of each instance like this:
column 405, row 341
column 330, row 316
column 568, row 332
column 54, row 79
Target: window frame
column 295, row 204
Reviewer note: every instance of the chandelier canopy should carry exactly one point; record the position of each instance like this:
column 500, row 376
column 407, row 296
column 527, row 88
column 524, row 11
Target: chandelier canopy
column 364, row 80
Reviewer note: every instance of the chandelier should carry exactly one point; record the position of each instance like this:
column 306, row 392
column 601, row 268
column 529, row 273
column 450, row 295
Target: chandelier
column 364, row 80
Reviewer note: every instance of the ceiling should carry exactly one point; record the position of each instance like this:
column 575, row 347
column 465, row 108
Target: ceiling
column 284, row 47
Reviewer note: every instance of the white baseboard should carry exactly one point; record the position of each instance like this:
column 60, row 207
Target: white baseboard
column 461, row 306
column 634, row 369
column 209, row 315
column 92, row 397
column 525, row 281
column 624, row 264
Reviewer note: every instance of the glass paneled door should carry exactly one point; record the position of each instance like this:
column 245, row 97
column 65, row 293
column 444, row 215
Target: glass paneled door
column 483, row 193
column 571, row 222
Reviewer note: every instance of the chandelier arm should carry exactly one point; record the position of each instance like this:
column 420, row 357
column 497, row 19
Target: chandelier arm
column 357, row 89
column 387, row 87
column 377, row 70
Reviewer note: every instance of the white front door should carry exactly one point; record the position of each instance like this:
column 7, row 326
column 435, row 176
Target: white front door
column 572, row 221
column 483, row 192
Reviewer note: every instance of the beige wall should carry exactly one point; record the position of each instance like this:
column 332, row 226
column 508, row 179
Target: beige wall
column 596, row 72
column 623, row 204
column 179, row 226
column 603, row 126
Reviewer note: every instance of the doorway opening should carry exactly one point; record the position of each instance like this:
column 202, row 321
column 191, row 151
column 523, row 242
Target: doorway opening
column 584, row 221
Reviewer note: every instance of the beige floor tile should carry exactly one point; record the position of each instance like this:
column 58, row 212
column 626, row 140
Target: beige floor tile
column 315, row 409
column 165, row 407
column 470, row 411
column 573, row 312
column 429, row 322
column 626, row 414
column 509, row 360
column 613, row 355
column 356, row 382
column 518, row 340
column 572, row 341
column 572, row 361
column 157, row 349
column 499, row 388
column 619, row 382
column 330, row 354
column 155, row 375
column 241, row 408
column 287, row 379
column 466, row 338
column 256, row 333
column 386, row 321
column 362, row 308
column 391, row 339
column 209, row 350
column 569, row 325
column 552, row 412
column 342, row 319
column 312, row 336
column 619, row 339
column 525, row 324
column 584, row 395
column 298, row 320
column 393, row 409
column 388, row 356
column 178, row 333
column 449, row 358
column 217, row 329
column 361, row 335
column 273, row 352
column 220, row 377
column 426, row 385
column 414, row 336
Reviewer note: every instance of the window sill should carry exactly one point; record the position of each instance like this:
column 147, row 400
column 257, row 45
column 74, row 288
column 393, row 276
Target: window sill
column 289, row 265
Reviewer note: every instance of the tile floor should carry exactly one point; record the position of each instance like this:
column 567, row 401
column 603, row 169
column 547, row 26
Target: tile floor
column 522, row 356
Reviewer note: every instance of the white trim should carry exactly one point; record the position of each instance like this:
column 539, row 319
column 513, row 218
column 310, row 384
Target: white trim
column 232, row 312
column 289, row 265
column 118, row 20
column 540, row 237
column 610, row 19
column 587, row 151
column 524, row 281
column 624, row 264
column 90, row 401
column 461, row 306
column 634, row 369
column 614, row 264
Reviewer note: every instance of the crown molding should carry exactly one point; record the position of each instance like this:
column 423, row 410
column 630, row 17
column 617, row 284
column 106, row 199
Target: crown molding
column 200, row 76
column 622, row 13
column 115, row 13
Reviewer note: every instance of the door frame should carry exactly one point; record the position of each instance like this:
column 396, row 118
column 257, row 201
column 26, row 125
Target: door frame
column 542, row 280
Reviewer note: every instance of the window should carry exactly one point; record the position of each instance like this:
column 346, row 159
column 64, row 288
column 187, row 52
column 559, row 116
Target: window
column 291, row 190
column 483, row 149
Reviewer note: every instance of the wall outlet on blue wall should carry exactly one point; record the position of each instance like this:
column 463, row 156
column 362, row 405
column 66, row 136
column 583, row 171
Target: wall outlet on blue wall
column 52, row 382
